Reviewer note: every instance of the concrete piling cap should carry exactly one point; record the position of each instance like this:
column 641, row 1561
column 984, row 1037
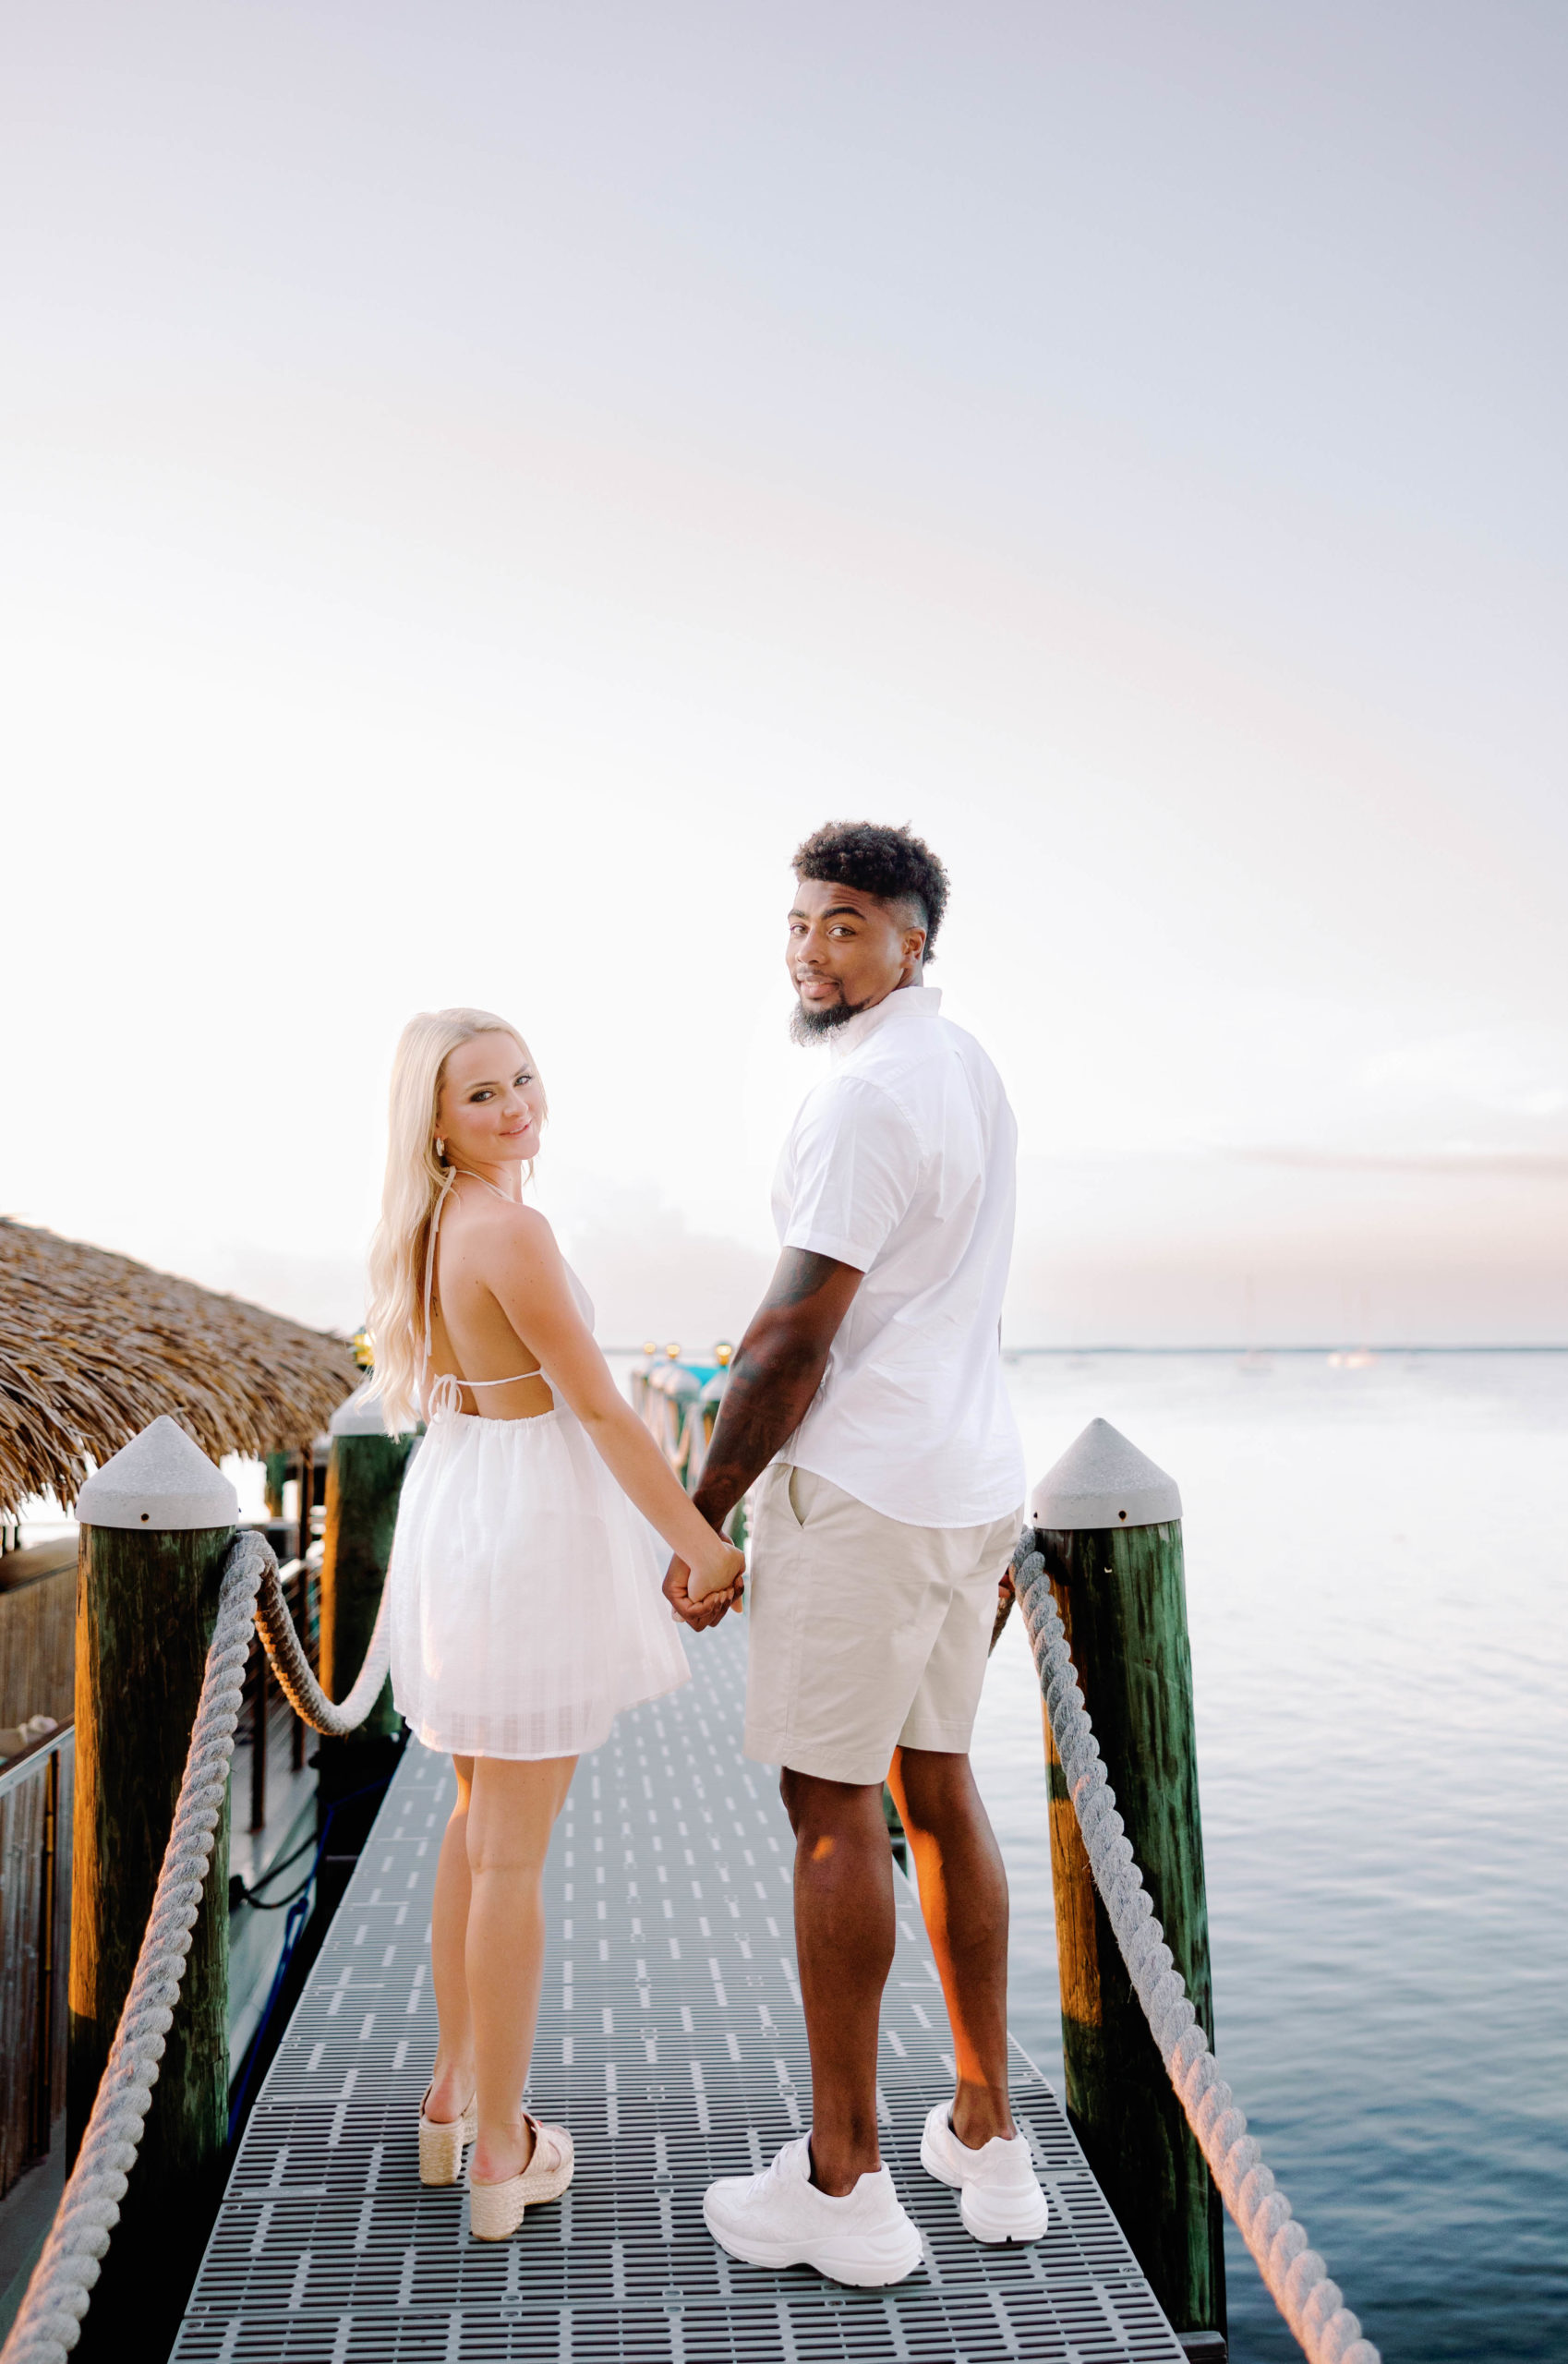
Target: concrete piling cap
column 161, row 1481
column 1102, row 1480
column 358, row 1415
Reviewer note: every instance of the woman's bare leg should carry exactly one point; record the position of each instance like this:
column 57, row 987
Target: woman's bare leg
column 512, row 1812
column 452, row 2085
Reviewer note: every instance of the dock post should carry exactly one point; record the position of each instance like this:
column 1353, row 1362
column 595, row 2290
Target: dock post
column 276, row 1467
column 365, row 1471
column 1109, row 1522
column 156, row 1520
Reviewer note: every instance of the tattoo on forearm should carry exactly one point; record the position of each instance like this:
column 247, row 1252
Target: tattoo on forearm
column 755, row 1417
column 776, row 1374
column 801, row 1274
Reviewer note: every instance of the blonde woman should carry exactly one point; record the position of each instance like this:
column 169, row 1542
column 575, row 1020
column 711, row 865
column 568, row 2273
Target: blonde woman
column 525, row 1570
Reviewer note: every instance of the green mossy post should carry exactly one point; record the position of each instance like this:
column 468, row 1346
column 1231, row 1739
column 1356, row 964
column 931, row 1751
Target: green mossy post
column 365, row 1473
column 277, row 1472
column 156, row 1523
column 1109, row 1522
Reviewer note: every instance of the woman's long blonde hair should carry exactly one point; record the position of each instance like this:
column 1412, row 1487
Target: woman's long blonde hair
column 414, row 1180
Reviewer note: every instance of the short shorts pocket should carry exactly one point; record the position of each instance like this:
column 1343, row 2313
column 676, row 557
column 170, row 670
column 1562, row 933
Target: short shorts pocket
column 798, row 1492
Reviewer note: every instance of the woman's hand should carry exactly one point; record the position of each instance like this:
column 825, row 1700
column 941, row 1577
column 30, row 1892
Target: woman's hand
column 720, row 1574
column 703, row 1595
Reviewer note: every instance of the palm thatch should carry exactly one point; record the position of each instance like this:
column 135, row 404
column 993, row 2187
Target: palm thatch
column 93, row 1346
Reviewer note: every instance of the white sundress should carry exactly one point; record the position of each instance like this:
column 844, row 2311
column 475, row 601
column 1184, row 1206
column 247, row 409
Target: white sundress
column 526, row 1608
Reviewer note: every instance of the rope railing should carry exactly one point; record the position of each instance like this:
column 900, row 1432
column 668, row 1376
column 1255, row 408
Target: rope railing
column 1296, row 2276
column 49, row 2321
column 297, row 1682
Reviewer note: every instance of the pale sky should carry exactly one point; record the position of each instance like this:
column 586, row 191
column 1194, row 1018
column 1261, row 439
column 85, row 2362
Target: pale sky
column 480, row 482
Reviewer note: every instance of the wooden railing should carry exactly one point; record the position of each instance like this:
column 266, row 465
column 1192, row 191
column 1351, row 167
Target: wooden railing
column 38, row 1609
column 678, row 1401
column 36, row 1791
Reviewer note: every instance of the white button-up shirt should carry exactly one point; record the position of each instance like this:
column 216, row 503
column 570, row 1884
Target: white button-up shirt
column 903, row 1162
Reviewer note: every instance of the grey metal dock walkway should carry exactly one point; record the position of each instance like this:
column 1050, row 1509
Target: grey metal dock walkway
column 671, row 2042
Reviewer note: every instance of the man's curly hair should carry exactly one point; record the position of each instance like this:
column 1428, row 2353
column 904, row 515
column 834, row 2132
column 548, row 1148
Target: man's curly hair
column 894, row 864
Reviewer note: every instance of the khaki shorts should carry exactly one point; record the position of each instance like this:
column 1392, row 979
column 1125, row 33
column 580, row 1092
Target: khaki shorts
column 865, row 1634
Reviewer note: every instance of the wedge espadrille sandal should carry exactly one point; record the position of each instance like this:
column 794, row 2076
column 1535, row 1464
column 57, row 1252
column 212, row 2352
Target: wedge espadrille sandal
column 495, row 2210
column 442, row 2145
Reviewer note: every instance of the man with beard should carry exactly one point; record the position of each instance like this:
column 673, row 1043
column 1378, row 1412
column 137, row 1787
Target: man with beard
column 868, row 1393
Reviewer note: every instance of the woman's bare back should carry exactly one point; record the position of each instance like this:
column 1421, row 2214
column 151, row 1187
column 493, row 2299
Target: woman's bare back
column 470, row 1335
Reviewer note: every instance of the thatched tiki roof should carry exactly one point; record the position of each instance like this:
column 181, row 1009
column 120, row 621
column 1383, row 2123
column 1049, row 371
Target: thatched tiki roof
column 93, row 1346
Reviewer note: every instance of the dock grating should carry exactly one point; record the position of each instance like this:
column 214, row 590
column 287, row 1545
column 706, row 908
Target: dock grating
column 671, row 2043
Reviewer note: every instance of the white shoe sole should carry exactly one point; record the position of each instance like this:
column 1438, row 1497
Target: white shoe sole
column 866, row 2264
column 990, row 2216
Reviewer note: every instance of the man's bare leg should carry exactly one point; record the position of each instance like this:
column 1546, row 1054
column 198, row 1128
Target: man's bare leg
column 963, row 1896
column 844, row 1937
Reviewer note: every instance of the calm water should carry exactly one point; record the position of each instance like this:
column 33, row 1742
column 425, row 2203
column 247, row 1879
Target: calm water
column 1377, row 1568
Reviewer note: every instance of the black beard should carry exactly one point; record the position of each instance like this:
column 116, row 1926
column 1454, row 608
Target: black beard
column 809, row 1026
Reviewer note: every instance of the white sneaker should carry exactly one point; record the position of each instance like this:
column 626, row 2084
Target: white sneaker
column 779, row 2218
column 999, row 2194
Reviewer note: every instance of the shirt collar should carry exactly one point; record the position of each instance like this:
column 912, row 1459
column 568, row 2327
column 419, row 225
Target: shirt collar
column 904, row 1002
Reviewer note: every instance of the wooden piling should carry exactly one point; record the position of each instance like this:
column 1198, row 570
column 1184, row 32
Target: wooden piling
column 156, row 1522
column 365, row 1471
column 299, row 1606
column 1109, row 1524
column 277, row 1475
column 259, row 1714
column 306, row 1504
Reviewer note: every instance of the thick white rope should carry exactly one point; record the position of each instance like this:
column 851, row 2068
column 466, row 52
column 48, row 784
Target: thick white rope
column 1297, row 2277
column 48, row 2322
column 291, row 1665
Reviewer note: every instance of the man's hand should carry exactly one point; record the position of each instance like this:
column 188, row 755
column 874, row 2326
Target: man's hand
column 1005, row 1596
column 698, row 1614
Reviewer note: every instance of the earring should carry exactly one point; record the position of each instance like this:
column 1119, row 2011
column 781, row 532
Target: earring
column 441, row 1149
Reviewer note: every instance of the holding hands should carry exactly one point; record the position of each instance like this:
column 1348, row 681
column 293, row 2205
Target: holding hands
column 701, row 1593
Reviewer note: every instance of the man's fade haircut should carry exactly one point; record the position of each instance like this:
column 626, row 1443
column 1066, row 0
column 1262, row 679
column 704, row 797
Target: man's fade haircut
column 893, row 864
